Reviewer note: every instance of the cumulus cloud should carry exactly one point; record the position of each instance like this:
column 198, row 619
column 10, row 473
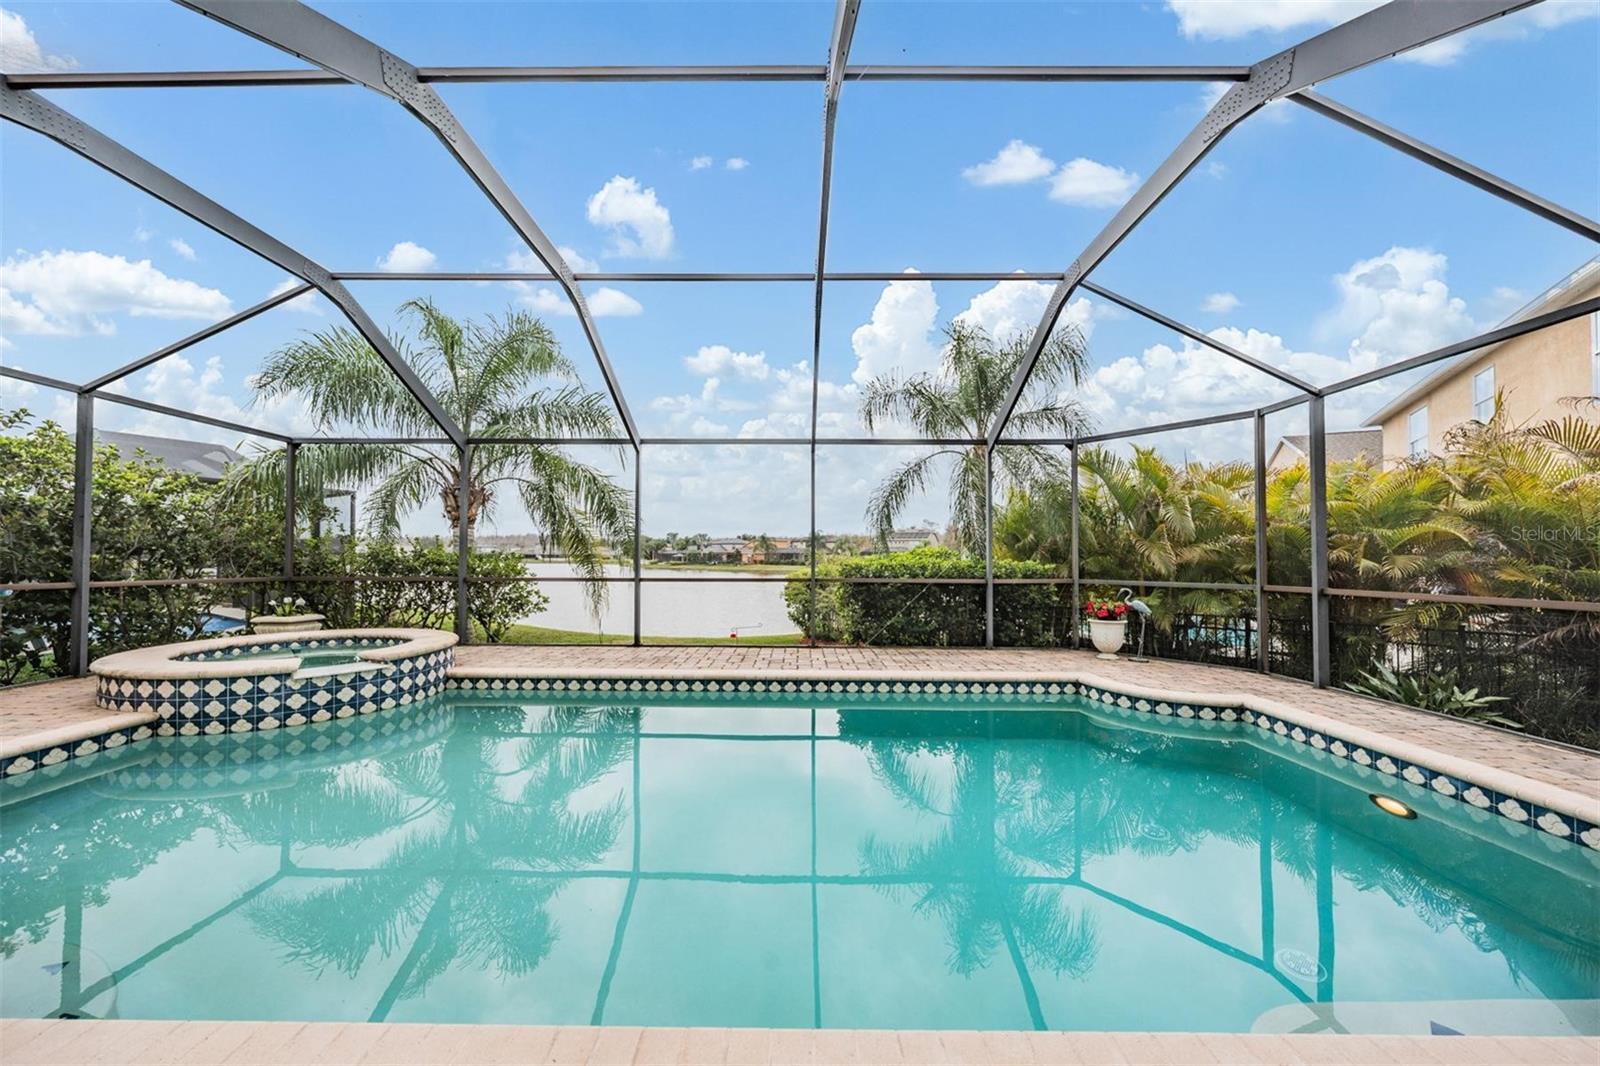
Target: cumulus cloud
column 604, row 302
column 715, row 359
column 182, row 247
column 20, row 52
column 1220, row 20
column 737, row 163
column 1220, row 303
column 407, row 257
column 640, row 225
column 1015, row 164
column 68, row 293
column 1217, row 20
column 700, row 162
column 1395, row 305
column 306, row 303
column 1087, row 183
column 899, row 336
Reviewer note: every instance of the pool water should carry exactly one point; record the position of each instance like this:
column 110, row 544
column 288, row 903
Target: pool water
column 884, row 864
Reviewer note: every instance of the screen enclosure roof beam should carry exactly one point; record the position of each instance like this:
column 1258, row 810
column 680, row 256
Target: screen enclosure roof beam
column 1449, row 164
column 844, row 29
column 195, row 338
column 177, row 79
column 1396, row 27
column 34, row 112
column 315, row 38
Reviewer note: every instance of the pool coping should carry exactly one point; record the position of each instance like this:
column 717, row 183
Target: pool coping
column 164, row 661
column 1554, row 810
column 51, row 1041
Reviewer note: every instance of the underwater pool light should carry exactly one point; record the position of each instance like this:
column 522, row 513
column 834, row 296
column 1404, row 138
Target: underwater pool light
column 1390, row 805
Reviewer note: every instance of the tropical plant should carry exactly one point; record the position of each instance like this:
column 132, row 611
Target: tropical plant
column 502, row 377
column 1432, row 692
column 960, row 401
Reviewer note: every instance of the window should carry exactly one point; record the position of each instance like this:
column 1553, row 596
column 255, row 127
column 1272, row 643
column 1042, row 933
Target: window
column 1483, row 394
column 1417, row 432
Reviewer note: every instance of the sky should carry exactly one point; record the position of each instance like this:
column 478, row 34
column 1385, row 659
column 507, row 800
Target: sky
column 1297, row 240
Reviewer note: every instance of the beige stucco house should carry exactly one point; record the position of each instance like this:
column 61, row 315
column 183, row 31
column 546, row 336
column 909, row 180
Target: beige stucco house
column 1532, row 374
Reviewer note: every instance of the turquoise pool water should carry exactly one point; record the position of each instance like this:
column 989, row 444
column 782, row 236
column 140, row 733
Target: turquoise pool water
column 883, row 864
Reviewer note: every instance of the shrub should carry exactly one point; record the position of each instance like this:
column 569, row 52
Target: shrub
column 904, row 611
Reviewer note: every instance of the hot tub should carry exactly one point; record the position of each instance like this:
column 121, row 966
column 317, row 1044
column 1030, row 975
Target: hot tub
column 239, row 684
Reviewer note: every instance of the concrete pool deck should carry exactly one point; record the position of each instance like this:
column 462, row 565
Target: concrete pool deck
column 68, row 706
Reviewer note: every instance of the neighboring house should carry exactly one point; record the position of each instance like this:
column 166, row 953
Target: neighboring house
column 903, row 540
column 208, row 462
column 1531, row 374
column 783, row 550
column 1348, row 446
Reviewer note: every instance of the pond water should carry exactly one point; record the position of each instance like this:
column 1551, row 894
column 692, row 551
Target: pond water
column 669, row 608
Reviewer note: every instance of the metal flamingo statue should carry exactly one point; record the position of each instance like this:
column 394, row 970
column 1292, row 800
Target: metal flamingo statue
column 1143, row 610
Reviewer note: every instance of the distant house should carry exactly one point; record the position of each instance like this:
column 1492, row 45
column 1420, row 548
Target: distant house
column 903, row 540
column 1531, row 374
column 208, row 462
column 782, row 550
column 1344, row 447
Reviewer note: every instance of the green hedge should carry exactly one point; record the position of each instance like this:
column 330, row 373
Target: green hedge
column 921, row 615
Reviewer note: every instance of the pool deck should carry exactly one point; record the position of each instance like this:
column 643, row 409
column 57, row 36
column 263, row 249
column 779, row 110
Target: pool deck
column 24, row 1042
column 54, row 709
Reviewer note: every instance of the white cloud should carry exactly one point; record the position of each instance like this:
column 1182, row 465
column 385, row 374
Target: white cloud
column 700, row 162
column 67, row 293
column 407, row 257
column 1220, row 303
column 1086, row 183
column 640, row 225
column 899, row 336
column 305, row 303
column 736, row 163
column 523, row 261
column 1395, row 305
column 604, row 302
column 720, row 359
column 1015, row 164
column 182, row 247
column 1229, row 19
column 19, row 49
column 1013, row 307
column 142, row 234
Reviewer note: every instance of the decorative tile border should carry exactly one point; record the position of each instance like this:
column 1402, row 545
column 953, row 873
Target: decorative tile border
column 1556, row 823
column 289, row 645
column 214, row 705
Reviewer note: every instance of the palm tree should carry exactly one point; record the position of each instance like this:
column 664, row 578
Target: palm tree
column 502, row 377
column 961, row 400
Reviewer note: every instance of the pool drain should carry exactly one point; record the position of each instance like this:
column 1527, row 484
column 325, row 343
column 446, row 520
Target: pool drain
column 1297, row 963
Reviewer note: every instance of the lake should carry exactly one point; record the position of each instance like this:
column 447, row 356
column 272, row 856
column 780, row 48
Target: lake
column 669, row 608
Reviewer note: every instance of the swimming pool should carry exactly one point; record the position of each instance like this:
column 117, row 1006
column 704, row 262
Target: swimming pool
column 848, row 861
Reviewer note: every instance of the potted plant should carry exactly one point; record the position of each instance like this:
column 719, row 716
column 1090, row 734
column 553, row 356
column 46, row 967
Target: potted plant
column 1108, row 625
column 287, row 614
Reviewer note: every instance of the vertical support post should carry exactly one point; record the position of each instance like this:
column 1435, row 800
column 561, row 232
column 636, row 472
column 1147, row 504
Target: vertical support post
column 811, row 547
column 291, row 462
column 1321, row 653
column 463, row 505
column 82, row 523
column 1077, row 589
column 638, row 551
column 988, row 547
column 1262, row 628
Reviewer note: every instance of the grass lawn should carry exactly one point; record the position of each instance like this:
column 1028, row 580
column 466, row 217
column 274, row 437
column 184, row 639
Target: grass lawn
column 522, row 634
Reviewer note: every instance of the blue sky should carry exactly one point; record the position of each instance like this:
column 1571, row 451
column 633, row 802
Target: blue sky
column 1304, row 243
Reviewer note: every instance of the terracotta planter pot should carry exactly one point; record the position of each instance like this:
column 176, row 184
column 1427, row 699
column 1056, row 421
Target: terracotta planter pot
column 272, row 624
column 1107, row 636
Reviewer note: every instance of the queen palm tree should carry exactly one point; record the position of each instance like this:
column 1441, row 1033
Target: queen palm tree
column 960, row 400
column 500, row 377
